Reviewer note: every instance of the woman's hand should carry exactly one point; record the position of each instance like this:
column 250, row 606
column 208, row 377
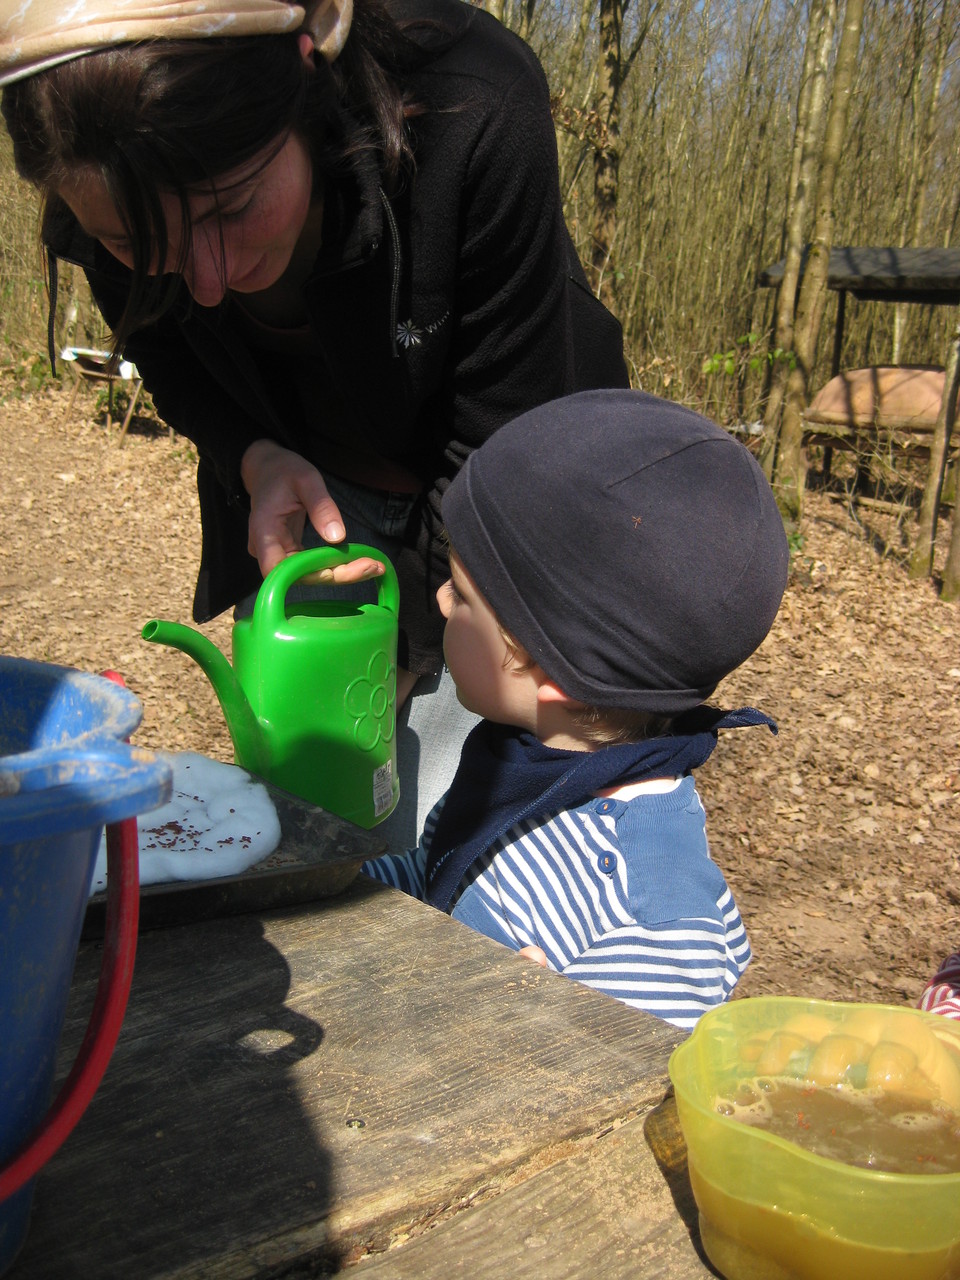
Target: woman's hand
column 284, row 489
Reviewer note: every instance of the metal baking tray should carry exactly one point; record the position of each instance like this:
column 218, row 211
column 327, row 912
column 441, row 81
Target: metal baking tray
column 319, row 855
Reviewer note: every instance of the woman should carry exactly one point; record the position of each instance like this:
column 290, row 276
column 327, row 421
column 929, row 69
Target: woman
column 332, row 242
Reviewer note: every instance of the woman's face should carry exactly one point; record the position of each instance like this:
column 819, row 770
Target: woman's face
column 243, row 229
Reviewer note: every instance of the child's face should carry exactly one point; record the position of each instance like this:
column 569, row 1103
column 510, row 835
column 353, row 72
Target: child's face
column 490, row 679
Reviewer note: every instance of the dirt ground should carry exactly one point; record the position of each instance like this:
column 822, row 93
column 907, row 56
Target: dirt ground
column 840, row 837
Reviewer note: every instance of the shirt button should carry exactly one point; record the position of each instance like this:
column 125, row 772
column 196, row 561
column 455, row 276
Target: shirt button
column 607, row 863
column 606, row 806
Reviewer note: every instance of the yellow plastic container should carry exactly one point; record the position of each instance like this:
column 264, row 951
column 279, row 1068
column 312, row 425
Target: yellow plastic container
column 771, row 1210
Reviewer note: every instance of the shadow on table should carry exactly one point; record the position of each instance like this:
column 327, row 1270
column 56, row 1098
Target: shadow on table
column 196, row 1146
column 661, row 1128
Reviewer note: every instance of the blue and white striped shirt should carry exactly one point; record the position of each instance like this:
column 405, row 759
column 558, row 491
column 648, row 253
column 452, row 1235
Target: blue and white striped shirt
column 620, row 894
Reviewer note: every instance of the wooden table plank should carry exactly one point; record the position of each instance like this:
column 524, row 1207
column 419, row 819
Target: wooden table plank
column 618, row 1204
column 310, row 1084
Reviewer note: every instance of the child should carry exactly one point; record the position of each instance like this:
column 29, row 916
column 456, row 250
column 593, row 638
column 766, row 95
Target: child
column 942, row 992
column 612, row 557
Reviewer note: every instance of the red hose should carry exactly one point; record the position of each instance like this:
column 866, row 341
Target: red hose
column 116, row 974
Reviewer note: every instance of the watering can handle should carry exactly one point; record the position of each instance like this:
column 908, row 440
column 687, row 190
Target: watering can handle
column 116, row 974
column 270, row 605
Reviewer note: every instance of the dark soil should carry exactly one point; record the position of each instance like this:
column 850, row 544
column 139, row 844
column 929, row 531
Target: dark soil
column 839, row 837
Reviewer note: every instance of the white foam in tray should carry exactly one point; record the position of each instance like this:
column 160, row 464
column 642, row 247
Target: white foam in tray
column 218, row 822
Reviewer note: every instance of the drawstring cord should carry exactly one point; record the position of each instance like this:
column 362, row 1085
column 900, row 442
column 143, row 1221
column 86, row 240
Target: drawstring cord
column 53, row 276
column 395, row 281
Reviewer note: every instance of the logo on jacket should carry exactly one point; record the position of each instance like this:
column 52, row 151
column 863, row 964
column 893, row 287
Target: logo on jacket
column 412, row 335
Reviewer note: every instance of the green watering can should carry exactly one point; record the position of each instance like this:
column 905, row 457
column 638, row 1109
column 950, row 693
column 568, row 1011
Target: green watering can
column 310, row 701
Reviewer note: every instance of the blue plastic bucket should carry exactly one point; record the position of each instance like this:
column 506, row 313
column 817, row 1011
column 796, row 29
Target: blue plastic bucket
column 65, row 772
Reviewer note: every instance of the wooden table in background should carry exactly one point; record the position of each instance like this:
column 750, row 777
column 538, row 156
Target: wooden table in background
column 361, row 1083
column 872, row 273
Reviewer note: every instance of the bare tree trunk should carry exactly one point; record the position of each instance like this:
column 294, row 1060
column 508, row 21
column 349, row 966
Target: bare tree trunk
column 526, row 18
column 921, row 558
column 791, row 462
column 577, row 46
column 606, row 156
column 614, row 68
column 925, row 116
column 567, row 116
column 71, row 312
column 950, row 589
column 806, row 145
column 497, row 7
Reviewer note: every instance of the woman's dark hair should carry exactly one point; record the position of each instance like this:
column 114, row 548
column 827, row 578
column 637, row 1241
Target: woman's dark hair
column 169, row 116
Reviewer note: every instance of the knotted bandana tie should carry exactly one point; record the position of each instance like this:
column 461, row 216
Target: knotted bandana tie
column 505, row 775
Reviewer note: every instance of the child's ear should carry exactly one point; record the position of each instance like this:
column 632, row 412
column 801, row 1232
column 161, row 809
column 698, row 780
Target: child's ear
column 548, row 691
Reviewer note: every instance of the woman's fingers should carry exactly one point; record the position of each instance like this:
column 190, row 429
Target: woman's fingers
column 271, row 539
column 359, row 570
column 284, row 489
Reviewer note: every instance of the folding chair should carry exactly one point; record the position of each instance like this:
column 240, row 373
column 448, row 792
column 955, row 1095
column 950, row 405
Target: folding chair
column 95, row 366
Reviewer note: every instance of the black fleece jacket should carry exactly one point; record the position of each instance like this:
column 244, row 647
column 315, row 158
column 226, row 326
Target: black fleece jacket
column 439, row 314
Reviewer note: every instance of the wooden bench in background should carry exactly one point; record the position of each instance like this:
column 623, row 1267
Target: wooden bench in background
column 878, row 410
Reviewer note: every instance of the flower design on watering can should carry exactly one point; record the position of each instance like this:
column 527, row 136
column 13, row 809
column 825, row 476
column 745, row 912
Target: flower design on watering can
column 370, row 699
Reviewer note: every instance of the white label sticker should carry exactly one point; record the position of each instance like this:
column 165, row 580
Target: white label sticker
column 383, row 788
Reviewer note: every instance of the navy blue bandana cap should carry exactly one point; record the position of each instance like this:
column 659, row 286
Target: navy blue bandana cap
column 678, row 565
column 506, row 775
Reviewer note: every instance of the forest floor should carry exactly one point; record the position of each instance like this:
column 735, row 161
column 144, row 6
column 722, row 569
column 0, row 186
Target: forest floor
column 840, row 837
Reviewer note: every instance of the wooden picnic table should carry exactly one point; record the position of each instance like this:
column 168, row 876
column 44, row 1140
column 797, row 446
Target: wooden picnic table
column 361, row 1084
column 888, row 274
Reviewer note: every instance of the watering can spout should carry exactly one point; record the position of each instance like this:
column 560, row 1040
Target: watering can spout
column 246, row 732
